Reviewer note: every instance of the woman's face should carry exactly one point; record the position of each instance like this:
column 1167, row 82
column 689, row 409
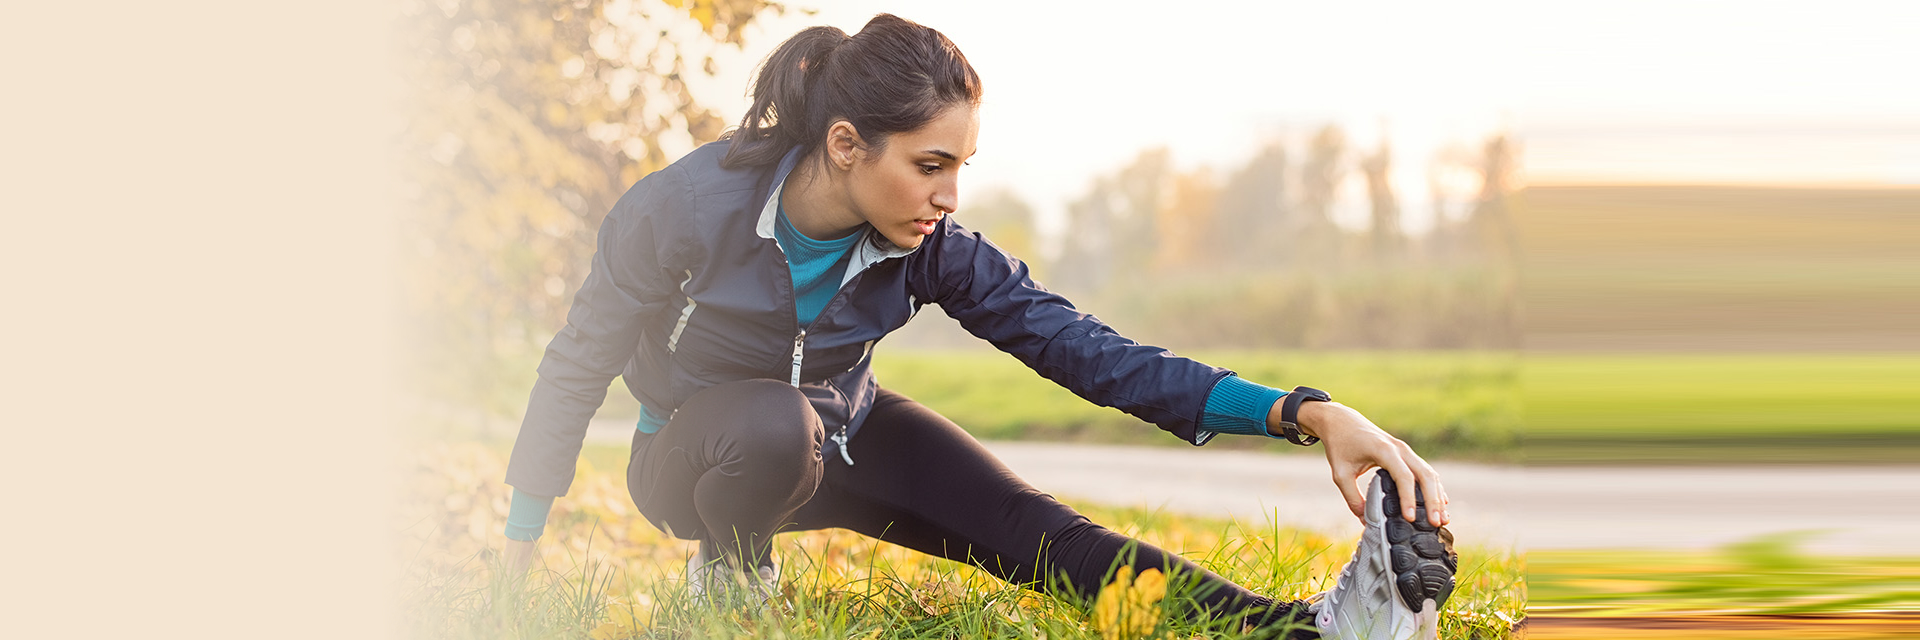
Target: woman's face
column 915, row 180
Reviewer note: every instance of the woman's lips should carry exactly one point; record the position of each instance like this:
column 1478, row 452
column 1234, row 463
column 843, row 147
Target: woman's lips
column 925, row 227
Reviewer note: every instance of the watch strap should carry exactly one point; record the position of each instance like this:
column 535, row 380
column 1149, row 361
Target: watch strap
column 1290, row 413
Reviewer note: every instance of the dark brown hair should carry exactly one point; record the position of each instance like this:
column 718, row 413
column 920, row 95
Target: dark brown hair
column 893, row 76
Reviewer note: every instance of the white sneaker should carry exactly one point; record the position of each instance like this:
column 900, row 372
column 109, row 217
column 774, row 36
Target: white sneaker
column 1398, row 578
column 710, row 575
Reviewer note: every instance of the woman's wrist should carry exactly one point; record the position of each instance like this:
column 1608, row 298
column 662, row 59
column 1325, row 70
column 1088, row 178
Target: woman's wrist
column 1315, row 418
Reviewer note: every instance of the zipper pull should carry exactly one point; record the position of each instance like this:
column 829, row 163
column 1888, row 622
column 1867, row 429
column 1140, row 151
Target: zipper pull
column 799, row 346
column 840, row 438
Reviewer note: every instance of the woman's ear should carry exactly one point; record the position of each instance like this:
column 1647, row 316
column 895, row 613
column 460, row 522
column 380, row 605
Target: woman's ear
column 844, row 145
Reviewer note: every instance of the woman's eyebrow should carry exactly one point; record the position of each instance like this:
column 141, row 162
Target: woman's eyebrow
column 945, row 154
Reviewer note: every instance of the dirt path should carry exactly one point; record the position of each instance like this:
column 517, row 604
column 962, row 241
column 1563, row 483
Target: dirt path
column 1864, row 510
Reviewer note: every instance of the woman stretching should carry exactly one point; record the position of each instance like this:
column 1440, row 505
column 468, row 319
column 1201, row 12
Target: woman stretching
column 741, row 290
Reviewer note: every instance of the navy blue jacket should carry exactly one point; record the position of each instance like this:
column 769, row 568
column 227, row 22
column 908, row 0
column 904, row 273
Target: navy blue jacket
column 689, row 289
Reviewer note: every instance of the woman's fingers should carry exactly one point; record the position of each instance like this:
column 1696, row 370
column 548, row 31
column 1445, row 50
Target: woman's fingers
column 1429, row 486
column 1405, row 481
column 1436, row 496
column 1356, row 500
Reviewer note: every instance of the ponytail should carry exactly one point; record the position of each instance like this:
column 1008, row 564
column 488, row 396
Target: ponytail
column 893, row 76
column 778, row 119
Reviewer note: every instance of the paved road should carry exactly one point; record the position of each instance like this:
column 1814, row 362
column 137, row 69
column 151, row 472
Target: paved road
column 1868, row 510
column 1865, row 510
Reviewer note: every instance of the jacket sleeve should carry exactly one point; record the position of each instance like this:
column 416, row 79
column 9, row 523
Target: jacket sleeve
column 627, row 284
column 991, row 294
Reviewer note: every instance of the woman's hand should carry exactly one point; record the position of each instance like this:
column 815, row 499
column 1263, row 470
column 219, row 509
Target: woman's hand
column 1355, row 446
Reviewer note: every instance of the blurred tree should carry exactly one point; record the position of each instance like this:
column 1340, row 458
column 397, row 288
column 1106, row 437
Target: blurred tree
column 1110, row 230
column 525, row 121
column 1187, row 222
column 1252, row 214
column 1086, row 248
column 1385, row 233
column 1492, row 219
column 1285, row 284
column 1139, row 192
column 1316, row 241
column 1004, row 218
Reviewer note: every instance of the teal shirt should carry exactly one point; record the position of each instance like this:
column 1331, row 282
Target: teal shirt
column 817, row 266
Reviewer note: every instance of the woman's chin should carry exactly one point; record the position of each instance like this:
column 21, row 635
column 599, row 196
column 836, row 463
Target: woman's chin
column 906, row 240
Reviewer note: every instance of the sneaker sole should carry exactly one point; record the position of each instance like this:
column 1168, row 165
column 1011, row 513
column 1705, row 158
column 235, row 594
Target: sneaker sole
column 1420, row 555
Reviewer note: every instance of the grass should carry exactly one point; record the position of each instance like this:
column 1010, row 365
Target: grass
column 604, row 573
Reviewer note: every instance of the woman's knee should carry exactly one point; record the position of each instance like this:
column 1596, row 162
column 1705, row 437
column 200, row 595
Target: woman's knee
column 770, row 420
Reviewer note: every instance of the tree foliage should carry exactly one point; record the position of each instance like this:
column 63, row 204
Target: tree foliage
column 525, row 121
column 1256, row 260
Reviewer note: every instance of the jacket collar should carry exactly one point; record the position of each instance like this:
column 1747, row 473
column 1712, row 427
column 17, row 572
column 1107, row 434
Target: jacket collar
column 865, row 254
column 770, row 210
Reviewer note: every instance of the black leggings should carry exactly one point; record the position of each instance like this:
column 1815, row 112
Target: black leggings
column 744, row 459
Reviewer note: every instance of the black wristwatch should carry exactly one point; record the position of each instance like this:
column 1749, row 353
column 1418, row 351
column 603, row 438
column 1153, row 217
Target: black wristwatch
column 1290, row 413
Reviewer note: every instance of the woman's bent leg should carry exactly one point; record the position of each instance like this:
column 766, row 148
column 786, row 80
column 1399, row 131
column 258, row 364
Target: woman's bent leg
column 731, row 466
column 923, row 483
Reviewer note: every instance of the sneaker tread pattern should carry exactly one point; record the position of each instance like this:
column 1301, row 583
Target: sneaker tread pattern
column 1423, row 557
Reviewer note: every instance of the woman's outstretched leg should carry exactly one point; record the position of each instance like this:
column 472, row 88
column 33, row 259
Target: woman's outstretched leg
column 921, row 482
column 731, row 466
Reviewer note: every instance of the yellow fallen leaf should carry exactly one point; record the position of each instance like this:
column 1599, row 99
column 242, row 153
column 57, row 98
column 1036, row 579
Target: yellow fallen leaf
column 624, row 620
column 1129, row 607
column 610, row 631
column 937, row 597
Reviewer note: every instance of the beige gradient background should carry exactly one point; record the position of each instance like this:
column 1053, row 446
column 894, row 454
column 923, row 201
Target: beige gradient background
column 196, row 336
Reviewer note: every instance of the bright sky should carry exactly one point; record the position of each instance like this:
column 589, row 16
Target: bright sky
column 1618, row 91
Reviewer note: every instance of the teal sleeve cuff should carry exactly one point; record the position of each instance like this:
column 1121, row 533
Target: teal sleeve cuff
column 1239, row 407
column 527, row 515
column 652, row 421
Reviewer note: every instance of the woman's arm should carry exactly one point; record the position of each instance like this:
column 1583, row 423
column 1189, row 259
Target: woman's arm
column 991, row 294
column 993, row 297
column 626, row 286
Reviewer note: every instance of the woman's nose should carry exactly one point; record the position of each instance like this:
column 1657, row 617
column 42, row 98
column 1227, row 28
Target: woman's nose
column 947, row 199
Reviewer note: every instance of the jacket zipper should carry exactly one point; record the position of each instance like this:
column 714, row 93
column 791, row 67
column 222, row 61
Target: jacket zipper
column 799, row 348
column 840, row 438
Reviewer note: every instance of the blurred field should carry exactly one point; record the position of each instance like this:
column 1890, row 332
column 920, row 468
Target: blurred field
column 1677, row 268
column 607, row 574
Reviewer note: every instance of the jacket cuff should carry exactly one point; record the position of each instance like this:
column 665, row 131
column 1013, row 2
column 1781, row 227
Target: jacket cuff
column 527, row 517
column 1239, row 407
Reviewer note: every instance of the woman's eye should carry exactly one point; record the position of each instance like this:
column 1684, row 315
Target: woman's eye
column 928, row 169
